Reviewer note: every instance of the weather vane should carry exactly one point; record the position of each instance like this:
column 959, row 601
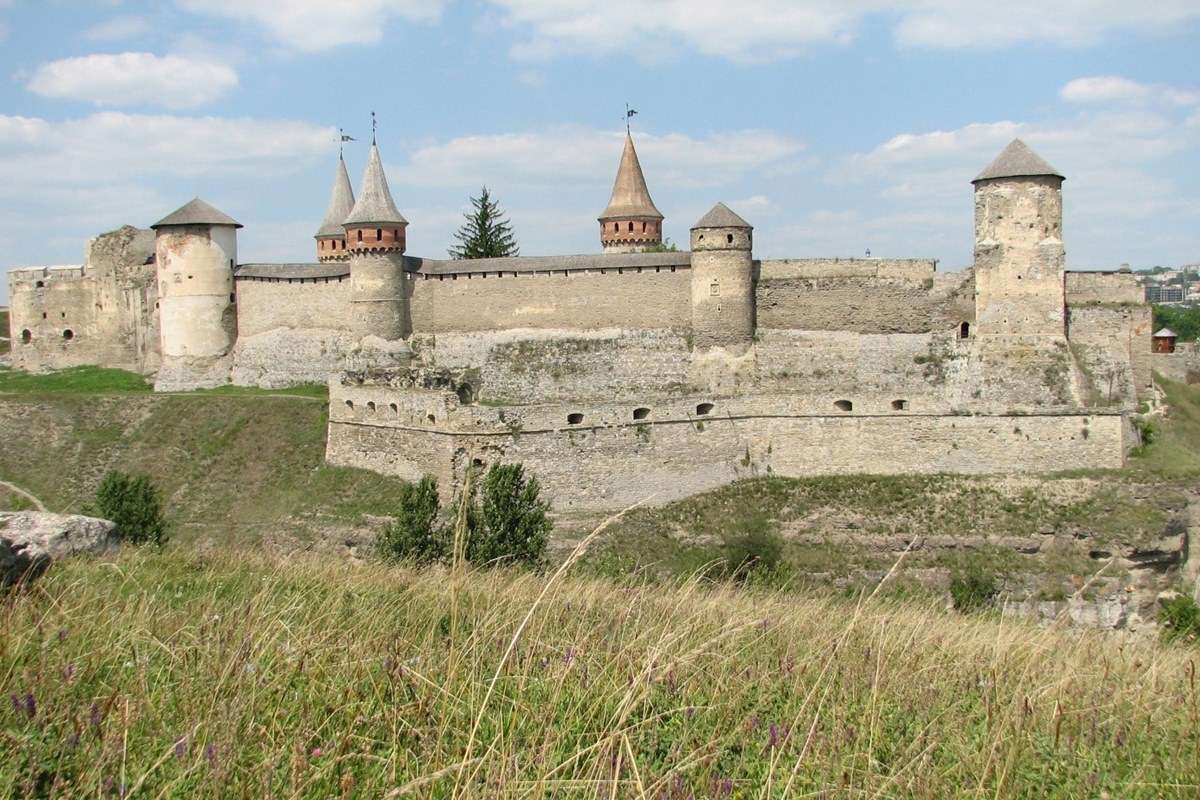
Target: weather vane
column 372, row 127
column 342, row 139
column 629, row 112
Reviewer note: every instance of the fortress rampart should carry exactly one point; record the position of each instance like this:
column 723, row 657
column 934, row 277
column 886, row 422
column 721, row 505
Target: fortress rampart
column 628, row 373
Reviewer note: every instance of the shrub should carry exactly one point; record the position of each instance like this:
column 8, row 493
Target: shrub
column 133, row 503
column 1180, row 619
column 511, row 525
column 973, row 590
column 414, row 533
column 757, row 551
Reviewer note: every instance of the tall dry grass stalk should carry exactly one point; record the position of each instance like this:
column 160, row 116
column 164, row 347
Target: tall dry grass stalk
column 233, row 675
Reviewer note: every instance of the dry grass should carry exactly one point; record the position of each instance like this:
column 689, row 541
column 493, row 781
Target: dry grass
column 231, row 675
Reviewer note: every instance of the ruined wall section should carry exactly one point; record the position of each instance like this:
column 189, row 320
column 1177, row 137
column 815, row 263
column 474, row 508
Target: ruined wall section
column 632, row 297
column 600, row 456
column 102, row 312
column 1109, row 327
column 1182, row 366
column 862, row 295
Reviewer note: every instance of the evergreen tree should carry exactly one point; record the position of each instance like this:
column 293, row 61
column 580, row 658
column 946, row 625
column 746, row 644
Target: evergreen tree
column 486, row 233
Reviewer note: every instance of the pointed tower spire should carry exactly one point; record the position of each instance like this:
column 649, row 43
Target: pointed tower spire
column 1017, row 161
column 375, row 223
column 331, row 236
column 632, row 222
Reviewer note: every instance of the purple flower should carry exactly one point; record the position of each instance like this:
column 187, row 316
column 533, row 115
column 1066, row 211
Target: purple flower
column 181, row 747
column 94, row 716
column 30, row 706
column 316, row 752
column 773, row 736
column 68, row 672
column 210, row 755
column 62, row 634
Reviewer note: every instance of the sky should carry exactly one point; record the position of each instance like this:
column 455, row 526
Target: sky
column 833, row 126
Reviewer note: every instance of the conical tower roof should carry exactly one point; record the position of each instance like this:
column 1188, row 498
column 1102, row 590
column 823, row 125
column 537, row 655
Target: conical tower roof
column 1017, row 161
column 630, row 197
column 374, row 204
column 196, row 212
column 721, row 216
column 341, row 202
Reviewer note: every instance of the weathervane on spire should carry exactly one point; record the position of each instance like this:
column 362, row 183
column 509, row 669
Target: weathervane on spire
column 372, row 127
column 342, row 139
column 629, row 112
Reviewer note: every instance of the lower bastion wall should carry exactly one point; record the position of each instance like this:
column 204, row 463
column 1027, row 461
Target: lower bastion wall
column 634, row 297
column 609, row 456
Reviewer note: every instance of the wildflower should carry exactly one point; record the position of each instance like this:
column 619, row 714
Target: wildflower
column 210, row 755
column 316, row 752
column 94, row 716
column 181, row 747
column 30, row 706
column 773, row 736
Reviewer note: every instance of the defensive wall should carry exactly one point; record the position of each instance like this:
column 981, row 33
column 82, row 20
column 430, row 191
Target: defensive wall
column 605, row 455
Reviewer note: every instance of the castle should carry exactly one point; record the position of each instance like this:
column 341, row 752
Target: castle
column 634, row 373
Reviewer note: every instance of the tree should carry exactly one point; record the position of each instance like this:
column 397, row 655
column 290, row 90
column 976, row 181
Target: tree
column 486, row 232
column 414, row 533
column 132, row 502
column 512, row 524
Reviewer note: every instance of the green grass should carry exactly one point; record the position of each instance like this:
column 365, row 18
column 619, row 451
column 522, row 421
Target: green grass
column 234, row 467
column 76, row 380
column 1175, row 451
column 5, row 345
column 179, row 675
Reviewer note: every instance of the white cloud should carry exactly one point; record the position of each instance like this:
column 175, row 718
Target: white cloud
column 755, row 30
column 1113, row 90
column 127, row 26
column 320, row 24
column 132, row 79
column 582, row 154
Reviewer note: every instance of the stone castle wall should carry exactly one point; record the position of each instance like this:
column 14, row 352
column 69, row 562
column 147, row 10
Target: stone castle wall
column 266, row 304
column 634, row 297
column 862, row 295
column 100, row 312
column 603, row 456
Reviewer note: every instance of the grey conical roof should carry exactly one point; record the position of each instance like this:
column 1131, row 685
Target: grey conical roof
column 721, row 216
column 197, row 212
column 341, row 203
column 374, row 204
column 1017, row 161
column 1165, row 333
column 630, row 196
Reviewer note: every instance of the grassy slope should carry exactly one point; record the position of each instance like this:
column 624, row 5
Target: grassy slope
column 229, row 676
column 5, row 346
column 235, row 465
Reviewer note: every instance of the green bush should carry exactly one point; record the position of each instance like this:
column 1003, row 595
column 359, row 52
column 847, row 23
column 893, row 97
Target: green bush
column 414, row 533
column 134, row 504
column 755, row 552
column 973, row 590
column 1180, row 619
column 511, row 525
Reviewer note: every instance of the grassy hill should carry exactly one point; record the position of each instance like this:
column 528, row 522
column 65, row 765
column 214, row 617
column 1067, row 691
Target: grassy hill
column 230, row 675
column 5, row 345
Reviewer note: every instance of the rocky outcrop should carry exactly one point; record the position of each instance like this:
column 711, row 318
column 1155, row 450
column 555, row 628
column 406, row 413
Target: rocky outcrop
column 31, row 540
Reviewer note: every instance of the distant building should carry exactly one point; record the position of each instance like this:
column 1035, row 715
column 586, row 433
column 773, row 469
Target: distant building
column 1164, row 294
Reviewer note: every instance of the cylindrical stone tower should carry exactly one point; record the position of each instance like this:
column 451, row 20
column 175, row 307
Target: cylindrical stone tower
column 631, row 223
column 1019, row 254
column 722, row 281
column 375, row 235
column 195, row 255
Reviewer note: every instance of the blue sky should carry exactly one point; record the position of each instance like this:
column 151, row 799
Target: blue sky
column 832, row 125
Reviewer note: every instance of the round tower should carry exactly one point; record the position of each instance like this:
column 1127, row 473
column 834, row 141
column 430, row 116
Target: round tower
column 375, row 235
column 195, row 254
column 1019, row 254
column 722, row 280
column 631, row 223
column 331, row 236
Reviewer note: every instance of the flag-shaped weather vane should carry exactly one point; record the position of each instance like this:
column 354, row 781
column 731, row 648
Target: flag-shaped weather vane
column 629, row 112
column 343, row 137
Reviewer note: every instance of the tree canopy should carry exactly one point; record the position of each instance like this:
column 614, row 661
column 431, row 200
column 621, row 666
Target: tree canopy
column 486, row 232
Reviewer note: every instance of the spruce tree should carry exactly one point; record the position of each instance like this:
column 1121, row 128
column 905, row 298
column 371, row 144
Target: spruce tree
column 486, row 233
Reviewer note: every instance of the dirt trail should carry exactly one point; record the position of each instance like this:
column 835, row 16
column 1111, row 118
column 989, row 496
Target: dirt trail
column 14, row 488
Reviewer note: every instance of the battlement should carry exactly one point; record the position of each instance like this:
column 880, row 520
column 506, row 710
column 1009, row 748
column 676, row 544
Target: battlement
column 909, row 269
column 37, row 277
column 1084, row 288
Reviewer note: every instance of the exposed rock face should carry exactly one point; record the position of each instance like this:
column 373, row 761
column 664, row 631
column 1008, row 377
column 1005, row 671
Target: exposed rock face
column 31, row 540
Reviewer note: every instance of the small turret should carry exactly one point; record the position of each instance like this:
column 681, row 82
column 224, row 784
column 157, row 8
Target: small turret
column 631, row 223
column 195, row 254
column 1019, row 254
column 722, row 280
column 331, row 236
column 375, row 236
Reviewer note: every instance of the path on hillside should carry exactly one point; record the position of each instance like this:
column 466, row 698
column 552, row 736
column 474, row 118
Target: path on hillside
column 248, row 394
column 23, row 493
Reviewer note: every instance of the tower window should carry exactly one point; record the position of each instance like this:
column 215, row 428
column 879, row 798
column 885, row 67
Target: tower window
column 68, row 334
column 844, row 405
column 899, row 405
column 371, row 406
column 643, row 227
column 40, row 285
column 631, row 227
column 26, row 336
column 964, row 330
column 729, row 238
column 360, row 234
column 641, row 413
column 379, row 234
column 574, row 418
column 704, row 408
column 350, row 404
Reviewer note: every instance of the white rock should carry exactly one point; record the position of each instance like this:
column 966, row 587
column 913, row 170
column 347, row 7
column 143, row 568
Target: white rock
column 31, row 540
